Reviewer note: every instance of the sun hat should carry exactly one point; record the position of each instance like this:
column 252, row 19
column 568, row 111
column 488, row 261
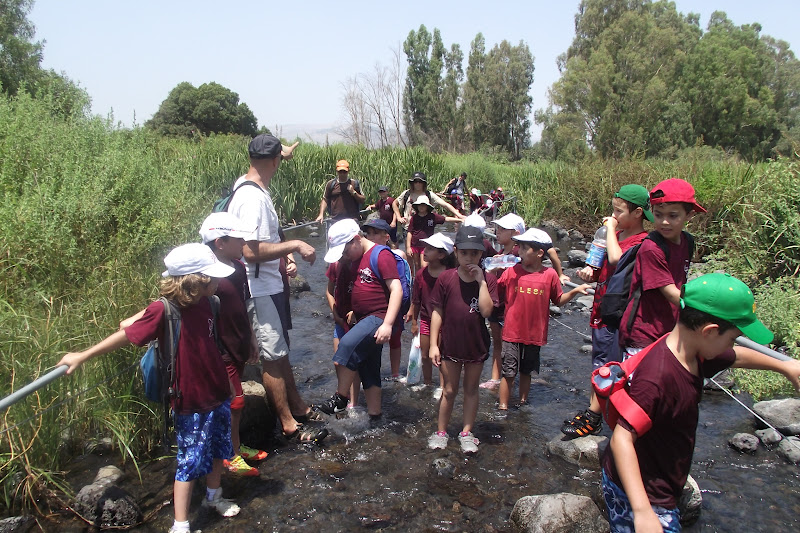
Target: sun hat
column 377, row 223
column 422, row 199
column 441, row 241
column 224, row 224
column 342, row 164
column 535, row 236
column 511, row 221
column 419, row 176
column 475, row 220
column 725, row 297
column 674, row 190
column 195, row 258
column 469, row 238
column 264, row 146
column 638, row 196
column 339, row 234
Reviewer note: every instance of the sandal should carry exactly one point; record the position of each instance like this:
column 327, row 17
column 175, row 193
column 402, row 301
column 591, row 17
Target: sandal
column 312, row 435
column 311, row 416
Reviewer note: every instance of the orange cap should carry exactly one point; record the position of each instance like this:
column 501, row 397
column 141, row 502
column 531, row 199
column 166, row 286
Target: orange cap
column 342, row 164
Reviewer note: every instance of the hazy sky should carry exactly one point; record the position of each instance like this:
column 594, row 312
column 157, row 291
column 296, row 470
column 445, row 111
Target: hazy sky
column 288, row 64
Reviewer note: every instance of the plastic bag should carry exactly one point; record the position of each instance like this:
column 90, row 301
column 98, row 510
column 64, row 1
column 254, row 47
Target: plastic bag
column 414, row 371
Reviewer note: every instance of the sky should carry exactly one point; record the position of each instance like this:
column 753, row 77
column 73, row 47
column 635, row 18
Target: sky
column 288, row 62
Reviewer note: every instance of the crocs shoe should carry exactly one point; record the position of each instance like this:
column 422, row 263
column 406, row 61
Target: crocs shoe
column 238, row 467
column 224, row 507
column 584, row 423
column 490, row 384
column 252, row 454
column 438, row 441
column 469, row 444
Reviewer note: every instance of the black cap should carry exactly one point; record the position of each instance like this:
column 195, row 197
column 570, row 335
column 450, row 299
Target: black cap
column 469, row 238
column 419, row 176
column 264, row 146
column 377, row 223
column 383, row 188
column 463, row 174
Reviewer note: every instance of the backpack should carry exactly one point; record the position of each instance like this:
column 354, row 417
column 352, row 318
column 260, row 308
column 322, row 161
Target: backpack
column 223, row 203
column 329, row 190
column 611, row 385
column 403, row 269
column 407, row 200
column 618, row 287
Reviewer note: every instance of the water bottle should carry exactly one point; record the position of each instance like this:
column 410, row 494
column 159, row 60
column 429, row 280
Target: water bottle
column 501, row 261
column 597, row 251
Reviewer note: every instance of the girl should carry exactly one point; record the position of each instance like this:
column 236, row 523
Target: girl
column 421, row 226
column 202, row 409
column 462, row 298
column 438, row 254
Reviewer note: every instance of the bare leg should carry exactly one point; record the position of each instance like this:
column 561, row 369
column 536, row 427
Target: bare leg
column 275, row 385
column 472, row 378
column 296, row 403
column 524, row 387
column 394, row 360
column 345, row 377
column 182, row 494
column 236, row 418
column 506, row 384
column 497, row 349
column 594, row 404
column 373, row 396
column 214, row 478
column 451, row 372
column 355, row 390
column 427, row 364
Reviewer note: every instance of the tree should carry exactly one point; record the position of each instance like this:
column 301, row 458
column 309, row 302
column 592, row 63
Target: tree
column 19, row 57
column 210, row 108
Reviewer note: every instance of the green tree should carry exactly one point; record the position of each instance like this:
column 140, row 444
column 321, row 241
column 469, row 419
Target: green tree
column 19, row 56
column 210, row 108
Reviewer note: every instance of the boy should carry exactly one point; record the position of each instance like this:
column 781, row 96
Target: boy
column 224, row 233
column 384, row 208
column 527, row 288
column 643, row 475
column 630, row 206
column 659, row 277
column 360, row 348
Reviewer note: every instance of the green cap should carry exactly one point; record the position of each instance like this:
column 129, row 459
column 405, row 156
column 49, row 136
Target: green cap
column 637, row 195
column 725, row 297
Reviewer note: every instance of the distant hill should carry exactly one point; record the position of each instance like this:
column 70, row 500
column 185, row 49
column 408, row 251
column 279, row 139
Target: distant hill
column 316, row 133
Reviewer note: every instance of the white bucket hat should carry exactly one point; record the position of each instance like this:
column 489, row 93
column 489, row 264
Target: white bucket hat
column 195, row 258
column 339, row 234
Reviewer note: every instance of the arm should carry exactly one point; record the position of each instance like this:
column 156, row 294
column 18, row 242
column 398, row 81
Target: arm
column 131, row 319
column 291, row 266
column 332, row 304
column 287, row 152
column 323, row 205
column 396, row 208
column 748, row 358
column 355, row 194
column 485, row 303
column 567, row 296
column 258, row 251
column 436, row 327
column 413, row 316
column 454, row 219
column 672, row 293
column 384, row 332
column 113, row 342
column 613, row 250
column 553, row 255
column 409, row 251
column 588, row 274
column 394, row 219
column 447, row 206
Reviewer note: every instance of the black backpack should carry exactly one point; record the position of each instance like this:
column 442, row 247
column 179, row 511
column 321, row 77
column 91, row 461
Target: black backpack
column 618, row 286
column 329, row 189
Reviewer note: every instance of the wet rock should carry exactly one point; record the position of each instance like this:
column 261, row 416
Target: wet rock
column 109, row 475
column 584, row 451
column 769, row 437
column 550, row 224
column 575, row 234
column 561, row 234
column 783, row 414
column 107, row 506
column 789, row 449
column 585, row 301
column 744, row 443
column 17, row 524
column 298, row 284
column 258, row 418
column 691, row 502
column 555, row 310
column 471, row 498
column 99, row 446
column 576, row 258
column 444, row 467
column 372, row 515
column 549, row 513
column 586, row 348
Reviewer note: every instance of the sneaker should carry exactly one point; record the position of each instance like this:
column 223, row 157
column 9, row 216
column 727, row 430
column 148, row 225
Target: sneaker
column 584, row 423
column 437, row 393
column 394, row 379
column 251, row 454
column 224, row 507
column 469, row 444
column 490, row 384
column 438, row 441
column 239, row 467
column 335, row 404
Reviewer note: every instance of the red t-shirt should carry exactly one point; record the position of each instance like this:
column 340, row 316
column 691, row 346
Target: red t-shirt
column 235, row 332
column 421, row 296
column 370, row 294
column 384, row 209
column 655, row 315
column 670, row 395
column 423, row 227
column 605, row 272
column 527, row 296
column 341, row 274
column 200, row 374
column 463, row 336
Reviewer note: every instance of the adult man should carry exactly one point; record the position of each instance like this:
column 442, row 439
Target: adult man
column 418, row 186
column 268, row 307
column 455, row 191
column 342, row 194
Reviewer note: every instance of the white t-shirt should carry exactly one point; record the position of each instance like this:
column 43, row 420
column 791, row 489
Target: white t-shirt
column 256, row 209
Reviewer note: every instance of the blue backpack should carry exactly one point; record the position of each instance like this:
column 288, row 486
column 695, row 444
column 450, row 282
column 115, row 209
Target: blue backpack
column 403, row 269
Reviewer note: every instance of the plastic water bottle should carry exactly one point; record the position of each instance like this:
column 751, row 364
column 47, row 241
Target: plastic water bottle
column 597, row 251
column 501, row 261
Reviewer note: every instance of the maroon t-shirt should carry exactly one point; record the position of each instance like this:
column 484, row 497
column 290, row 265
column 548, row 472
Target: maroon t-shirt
column 384, row 209
column 235, row 331
column 423, row 227
column 527, row 296
column 463, row 336
column 200, row 374
column 655, row 315
column 488, row 249
column 341, row 274
column 670, row 395
column 370, row 294
column 421, row 296
column 605, row 272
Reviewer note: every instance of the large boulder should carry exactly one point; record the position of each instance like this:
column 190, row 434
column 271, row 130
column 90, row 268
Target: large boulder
column 583, row 451
column 105, row 505
column 257, row 426
column 557, row 513
column 784, row 415
column 576, row 257
column 691, row 502
column 17, row 524
column 789, row 449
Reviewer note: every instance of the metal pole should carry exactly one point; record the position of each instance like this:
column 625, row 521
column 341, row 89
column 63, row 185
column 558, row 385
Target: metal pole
column 575, row 285
column 16, row 396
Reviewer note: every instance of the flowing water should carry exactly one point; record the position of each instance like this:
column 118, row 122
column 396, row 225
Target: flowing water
column 382, row 476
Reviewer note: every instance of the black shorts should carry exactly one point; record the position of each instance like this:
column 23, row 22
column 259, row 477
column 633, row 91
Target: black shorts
column 520, row 358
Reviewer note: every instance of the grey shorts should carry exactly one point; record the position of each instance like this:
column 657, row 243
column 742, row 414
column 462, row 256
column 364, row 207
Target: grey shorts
column 520, row 358
column 270, row 323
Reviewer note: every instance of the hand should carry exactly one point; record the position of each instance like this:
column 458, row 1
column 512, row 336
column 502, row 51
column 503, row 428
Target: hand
column 408, row 317
column 307, row 252
column 288, row 153
column 473, row 271
column 73, row 360
column 646, row 522
column 610, row 223
column 318, row 219
column 403, row 220
column 351, row 189
column 414, row 328
column 792, row 372
column 586, row 273
column 461, row 216
column 393, row 224
column 409, row 252
column 253, row 359
column 583, row 288
column 435, row 355
column 383, row 334
column 351, row 318
column 564, row 278
column 291, row 269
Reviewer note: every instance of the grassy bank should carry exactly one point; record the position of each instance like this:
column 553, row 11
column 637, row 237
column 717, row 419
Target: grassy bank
column 90, row 210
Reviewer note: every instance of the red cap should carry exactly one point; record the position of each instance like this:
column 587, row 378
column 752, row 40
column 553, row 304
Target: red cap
column 674, row 190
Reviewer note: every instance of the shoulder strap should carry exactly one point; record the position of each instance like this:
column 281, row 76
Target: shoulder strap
column 213, row 300
column 329, row 188
column 373, row 259
column 172, row 322
column 356, row 185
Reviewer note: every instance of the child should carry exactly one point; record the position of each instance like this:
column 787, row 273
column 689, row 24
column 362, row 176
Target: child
column 375, row 313
column 421, row 226
column 339, row 274
column 202, row 409
column 630, row 206
column 659, row 277
column 643, row 475
column 477, row 221
column 462, row 298
column 225, row 234
column 527, row 290
column 384, row 208
column 438, row 254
